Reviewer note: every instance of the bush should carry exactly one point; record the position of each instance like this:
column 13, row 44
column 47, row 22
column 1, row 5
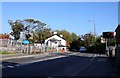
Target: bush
column 100, row 48
column 90, row 49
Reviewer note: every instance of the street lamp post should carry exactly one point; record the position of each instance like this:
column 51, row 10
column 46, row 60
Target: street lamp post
column 94, row 26
column 94, row 33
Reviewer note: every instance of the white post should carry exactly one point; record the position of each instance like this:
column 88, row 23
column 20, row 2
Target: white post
column 107, row 47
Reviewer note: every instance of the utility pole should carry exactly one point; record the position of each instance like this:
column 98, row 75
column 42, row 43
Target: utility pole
column 94, row 33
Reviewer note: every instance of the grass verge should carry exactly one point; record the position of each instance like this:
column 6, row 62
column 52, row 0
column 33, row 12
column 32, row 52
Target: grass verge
column 5, row 53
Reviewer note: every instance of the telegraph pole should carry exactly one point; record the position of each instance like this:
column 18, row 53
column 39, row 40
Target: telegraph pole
column 94, row 33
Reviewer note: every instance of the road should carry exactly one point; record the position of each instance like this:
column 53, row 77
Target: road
column 60, row 64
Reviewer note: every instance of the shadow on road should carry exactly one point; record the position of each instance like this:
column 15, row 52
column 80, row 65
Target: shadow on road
column 66, row 66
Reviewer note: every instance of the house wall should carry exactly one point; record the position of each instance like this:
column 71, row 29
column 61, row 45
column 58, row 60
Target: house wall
column 117, row 50
column 118, row 36
column 63, row 42
column 59, row 41
column 52, row 44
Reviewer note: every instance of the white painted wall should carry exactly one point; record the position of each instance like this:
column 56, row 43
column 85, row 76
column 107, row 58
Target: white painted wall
column 55, row 45
column 63, row 42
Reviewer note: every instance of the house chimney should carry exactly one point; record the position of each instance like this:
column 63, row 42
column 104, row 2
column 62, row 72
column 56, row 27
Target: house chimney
column 55, row 33
column 61, row 35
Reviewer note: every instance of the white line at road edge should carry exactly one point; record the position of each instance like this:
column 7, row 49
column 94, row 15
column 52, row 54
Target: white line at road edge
column 91, row 61
column 55, row 57
column 27, row 63
column 1, row 59
column 17, row 57
column 43, row 60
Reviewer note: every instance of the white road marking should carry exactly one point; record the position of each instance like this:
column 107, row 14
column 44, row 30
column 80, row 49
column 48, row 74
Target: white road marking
column 73, row 54
column 102, row 59
column 42, row 60
column 39, row 56
column 17, row 65
column 55, row 57
column 91, row 61
column 93, row 58
column 83, row 54
column 50, row 77
column 27, row 63
column 10, row 66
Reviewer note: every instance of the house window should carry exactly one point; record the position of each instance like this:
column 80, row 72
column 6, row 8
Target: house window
column 55, row 42
column 59, row 42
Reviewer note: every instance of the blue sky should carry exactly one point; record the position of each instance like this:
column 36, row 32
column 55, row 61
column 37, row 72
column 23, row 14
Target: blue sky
column 119, row 13
column 71, row 16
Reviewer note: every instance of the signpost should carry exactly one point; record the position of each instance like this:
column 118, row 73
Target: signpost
column 27, row 42
column 108, row 36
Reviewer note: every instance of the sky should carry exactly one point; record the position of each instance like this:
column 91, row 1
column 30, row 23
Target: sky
column 119, row 13
column 60, row 0
column 70, row 16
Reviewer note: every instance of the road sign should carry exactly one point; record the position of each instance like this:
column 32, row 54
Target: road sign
column 26, row 42
column 108, row 34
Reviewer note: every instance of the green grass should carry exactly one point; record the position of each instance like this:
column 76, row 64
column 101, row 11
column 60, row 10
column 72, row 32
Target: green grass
column 5, row 53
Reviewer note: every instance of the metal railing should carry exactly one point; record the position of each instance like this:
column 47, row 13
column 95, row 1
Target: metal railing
column 14, row 46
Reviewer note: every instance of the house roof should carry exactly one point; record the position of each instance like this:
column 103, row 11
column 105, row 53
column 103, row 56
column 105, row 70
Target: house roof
column 58, row 36
column 118, row 28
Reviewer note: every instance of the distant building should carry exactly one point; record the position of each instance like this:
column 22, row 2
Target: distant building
column 56, row 41
column 5, row 36
column 4, row 39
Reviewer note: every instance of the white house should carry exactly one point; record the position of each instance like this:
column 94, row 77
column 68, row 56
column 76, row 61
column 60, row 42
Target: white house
column 56, row 41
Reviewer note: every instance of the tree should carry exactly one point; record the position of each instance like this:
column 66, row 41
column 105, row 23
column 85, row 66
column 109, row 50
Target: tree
column 42, row 34
column 32, row 25
column 89, row 39
column 66, row 35
column 27, row 25
column 74, row 36
column 76, row 44
column 98, row 40
column 100, row 47
column 16, row 27
column 112, row 41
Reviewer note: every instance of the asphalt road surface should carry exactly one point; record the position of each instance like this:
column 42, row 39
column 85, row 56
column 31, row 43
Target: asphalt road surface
column 60, row 64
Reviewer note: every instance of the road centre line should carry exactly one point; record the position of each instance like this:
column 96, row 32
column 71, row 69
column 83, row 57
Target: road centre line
column 91, row 61
column 93, row 57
